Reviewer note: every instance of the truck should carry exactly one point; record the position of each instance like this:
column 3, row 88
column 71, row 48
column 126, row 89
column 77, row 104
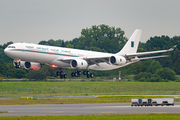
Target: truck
column 136, row 102
column 152, row 102
column 163, row 101
column 141, row 102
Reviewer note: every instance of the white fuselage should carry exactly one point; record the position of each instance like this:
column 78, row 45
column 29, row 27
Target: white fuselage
column 49, row 55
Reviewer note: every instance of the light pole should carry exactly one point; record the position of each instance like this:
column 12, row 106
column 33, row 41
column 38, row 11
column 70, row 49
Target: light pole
column 119, row 75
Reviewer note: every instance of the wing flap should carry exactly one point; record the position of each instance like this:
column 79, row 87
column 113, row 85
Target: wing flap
column 97, row 60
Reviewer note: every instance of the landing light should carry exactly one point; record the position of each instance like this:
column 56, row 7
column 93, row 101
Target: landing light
column 53, row 66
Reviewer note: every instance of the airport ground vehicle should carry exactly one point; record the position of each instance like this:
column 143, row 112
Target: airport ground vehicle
column 152, row 102
column 163, row 101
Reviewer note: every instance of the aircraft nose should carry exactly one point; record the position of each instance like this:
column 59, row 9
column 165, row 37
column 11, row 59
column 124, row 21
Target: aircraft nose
column 6, row 51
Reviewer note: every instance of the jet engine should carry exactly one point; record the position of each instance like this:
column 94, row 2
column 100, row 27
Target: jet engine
column 27, row 65
column 78, row 64
column 117, row 60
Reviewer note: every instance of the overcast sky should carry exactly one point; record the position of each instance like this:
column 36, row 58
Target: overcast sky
column 35, row 20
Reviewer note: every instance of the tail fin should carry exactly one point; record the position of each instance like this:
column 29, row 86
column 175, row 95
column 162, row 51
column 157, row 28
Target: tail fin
column 132, row 44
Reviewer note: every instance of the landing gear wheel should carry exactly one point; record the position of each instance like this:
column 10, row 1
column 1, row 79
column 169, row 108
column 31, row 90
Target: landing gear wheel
column 17, row 65
column 79, row 72
column 61, row 73
column 88, row 72
column 65, row 76
column 84, row 72
column 91, row 75
column 61, row 76
column 57, row 73
column 88, row 75
column 75, row 74
column 72, row 74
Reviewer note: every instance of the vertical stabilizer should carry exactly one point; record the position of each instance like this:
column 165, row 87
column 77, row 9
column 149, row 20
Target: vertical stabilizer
column 132, row 44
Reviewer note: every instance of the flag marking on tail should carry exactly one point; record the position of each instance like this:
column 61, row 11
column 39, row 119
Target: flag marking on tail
column 132, row 43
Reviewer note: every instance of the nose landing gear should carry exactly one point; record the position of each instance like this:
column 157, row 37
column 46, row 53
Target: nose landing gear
column 17, row 63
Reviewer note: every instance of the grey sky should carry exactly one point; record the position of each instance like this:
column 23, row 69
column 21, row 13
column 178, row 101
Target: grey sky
column 35, row 20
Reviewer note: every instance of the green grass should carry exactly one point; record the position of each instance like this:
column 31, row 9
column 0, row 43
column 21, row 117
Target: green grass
column 99, row 117
column 87, row 88
column 3, row 111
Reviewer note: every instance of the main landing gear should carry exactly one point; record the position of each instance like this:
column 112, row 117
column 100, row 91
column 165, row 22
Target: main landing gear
column 88, row 74
column 61, row 74
column 77, row 73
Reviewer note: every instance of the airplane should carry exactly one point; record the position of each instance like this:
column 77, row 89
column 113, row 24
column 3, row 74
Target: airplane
column 32, row 56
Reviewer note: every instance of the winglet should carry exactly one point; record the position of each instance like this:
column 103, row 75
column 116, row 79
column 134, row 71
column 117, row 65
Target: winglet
column 171, row 49
column 175, row 46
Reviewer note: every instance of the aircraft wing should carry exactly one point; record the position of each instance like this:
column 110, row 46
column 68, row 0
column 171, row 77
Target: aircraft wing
column 132, row 55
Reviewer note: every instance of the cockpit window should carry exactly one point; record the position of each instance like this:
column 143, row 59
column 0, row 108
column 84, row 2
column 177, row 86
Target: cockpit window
column 11, row 47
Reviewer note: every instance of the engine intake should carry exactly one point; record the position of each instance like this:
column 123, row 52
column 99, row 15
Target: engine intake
column 78, row 64
column 117, row 60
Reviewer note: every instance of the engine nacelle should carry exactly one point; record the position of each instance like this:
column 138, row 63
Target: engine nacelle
column 27, row 65
column 79, row 64
column 32, row 66
column 117, row 60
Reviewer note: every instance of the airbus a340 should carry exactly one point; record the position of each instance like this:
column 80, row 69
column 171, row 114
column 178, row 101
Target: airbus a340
column 33, row 56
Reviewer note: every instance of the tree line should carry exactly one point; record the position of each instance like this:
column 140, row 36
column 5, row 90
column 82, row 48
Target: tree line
column 104, row 38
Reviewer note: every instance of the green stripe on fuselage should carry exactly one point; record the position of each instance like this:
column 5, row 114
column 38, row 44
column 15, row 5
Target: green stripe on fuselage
column 45, row 52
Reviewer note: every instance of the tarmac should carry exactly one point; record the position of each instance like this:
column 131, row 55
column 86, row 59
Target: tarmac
column 86, row 109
